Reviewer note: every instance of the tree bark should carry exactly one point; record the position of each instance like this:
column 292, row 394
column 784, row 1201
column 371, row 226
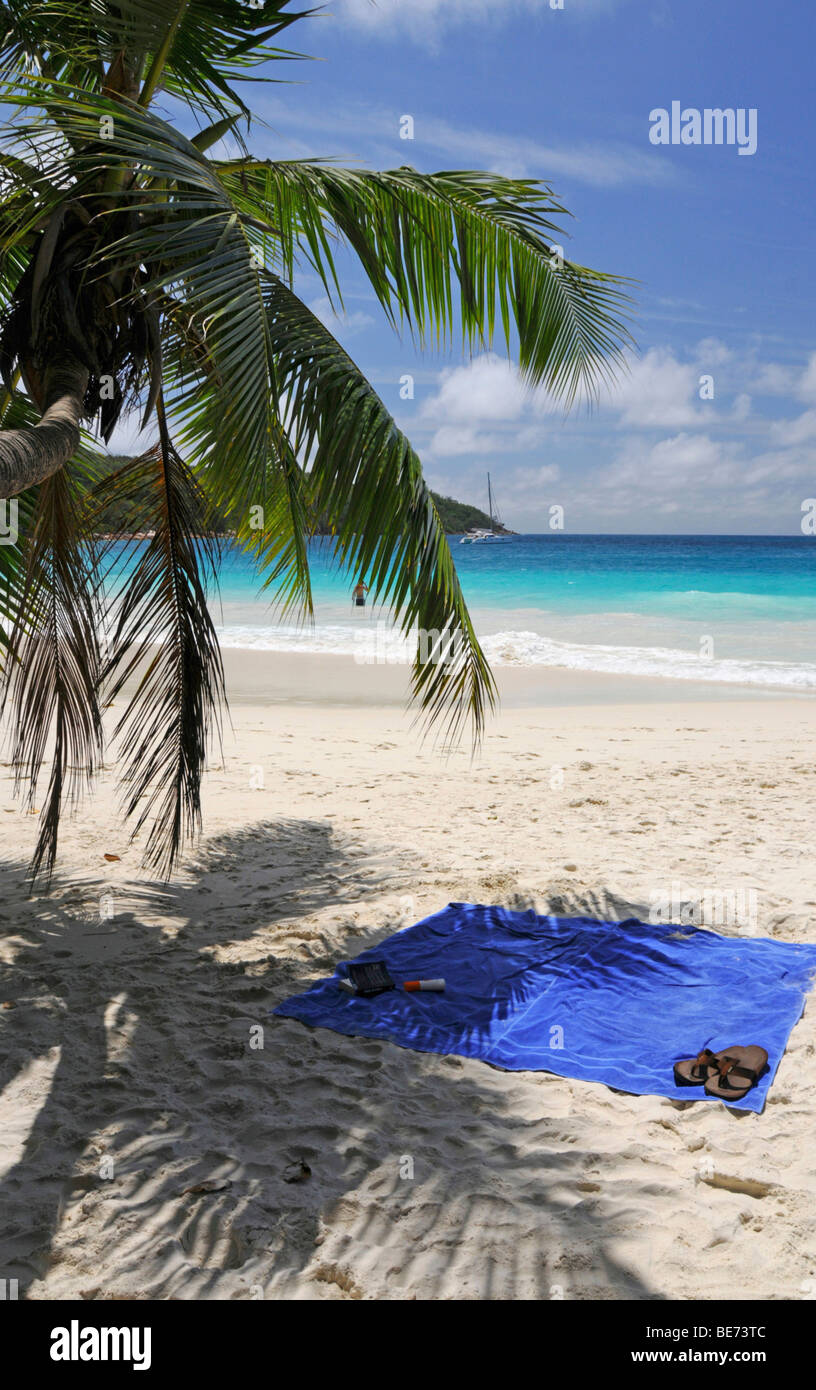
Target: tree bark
column 29, row 455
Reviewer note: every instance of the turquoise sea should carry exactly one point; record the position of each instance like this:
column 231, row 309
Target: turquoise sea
column 734, row 609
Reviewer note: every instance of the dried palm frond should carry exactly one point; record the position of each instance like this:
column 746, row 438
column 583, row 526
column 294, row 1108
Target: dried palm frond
column 163, row 649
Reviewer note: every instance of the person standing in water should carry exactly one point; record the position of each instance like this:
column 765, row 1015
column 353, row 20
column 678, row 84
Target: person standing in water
column 359, row 595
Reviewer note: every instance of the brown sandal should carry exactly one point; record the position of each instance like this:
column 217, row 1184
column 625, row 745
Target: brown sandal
column 739, row 1068
column 693, row 1071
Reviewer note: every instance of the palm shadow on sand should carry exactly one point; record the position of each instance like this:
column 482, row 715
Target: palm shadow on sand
column 147, row 1041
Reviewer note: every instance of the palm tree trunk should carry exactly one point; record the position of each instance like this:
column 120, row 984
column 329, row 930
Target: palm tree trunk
column 29, row 455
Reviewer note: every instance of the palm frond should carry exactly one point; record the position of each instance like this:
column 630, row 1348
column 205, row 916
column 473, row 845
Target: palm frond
column 266, row 503
column 52, row 666
column 16, row 412
column 163, row 643
column 454, row 250
column 195, row 49
column 366, row 480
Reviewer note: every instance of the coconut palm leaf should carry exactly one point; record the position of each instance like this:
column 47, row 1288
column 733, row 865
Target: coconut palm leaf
column 163, row 644
column 193, row 50
column 367, row 480
column 464, row 249
column 52, row 666
column 16, row 412
column 268, row 510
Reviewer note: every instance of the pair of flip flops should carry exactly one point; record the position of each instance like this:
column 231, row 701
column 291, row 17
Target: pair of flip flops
column 729, row 1074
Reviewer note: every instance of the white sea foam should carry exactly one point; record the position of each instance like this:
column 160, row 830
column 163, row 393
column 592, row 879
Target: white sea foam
column 531, row 649
column 383, row 645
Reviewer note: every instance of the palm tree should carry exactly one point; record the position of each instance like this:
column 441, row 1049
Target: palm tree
column 139, row 269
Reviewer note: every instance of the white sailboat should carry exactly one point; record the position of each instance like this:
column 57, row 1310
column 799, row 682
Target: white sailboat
column 480, row 535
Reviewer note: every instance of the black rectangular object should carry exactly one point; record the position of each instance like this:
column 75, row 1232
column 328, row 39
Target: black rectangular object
column 370, row 977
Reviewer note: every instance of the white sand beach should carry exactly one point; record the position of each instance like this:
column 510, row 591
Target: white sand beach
column 147, row 1149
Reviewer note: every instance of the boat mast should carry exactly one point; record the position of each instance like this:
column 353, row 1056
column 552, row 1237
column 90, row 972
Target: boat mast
column 495, row 519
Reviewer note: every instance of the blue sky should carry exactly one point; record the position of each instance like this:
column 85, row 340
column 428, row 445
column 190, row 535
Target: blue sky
column 720, row 242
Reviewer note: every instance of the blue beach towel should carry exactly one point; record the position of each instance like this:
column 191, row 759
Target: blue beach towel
column 617, row 1002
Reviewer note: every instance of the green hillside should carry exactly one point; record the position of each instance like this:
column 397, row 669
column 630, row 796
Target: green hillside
column 460, row 516
column 456, row 517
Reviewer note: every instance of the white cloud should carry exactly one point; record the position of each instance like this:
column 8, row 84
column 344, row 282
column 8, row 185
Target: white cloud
column 778, row 379
column 773, row 469
column 699, row 481
column 676, row 461
column 486, row 391
column 800, row 383
column 798, row 431
column 425, row 20
column 806, row 386
column 488, row 388
column 523, row 484
column 415, row 15
column 774, row 379
column 711, row 352
column 451, row 440
column 680, row 462
column 602, row 164
column 357, row 130
column 658, row 392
